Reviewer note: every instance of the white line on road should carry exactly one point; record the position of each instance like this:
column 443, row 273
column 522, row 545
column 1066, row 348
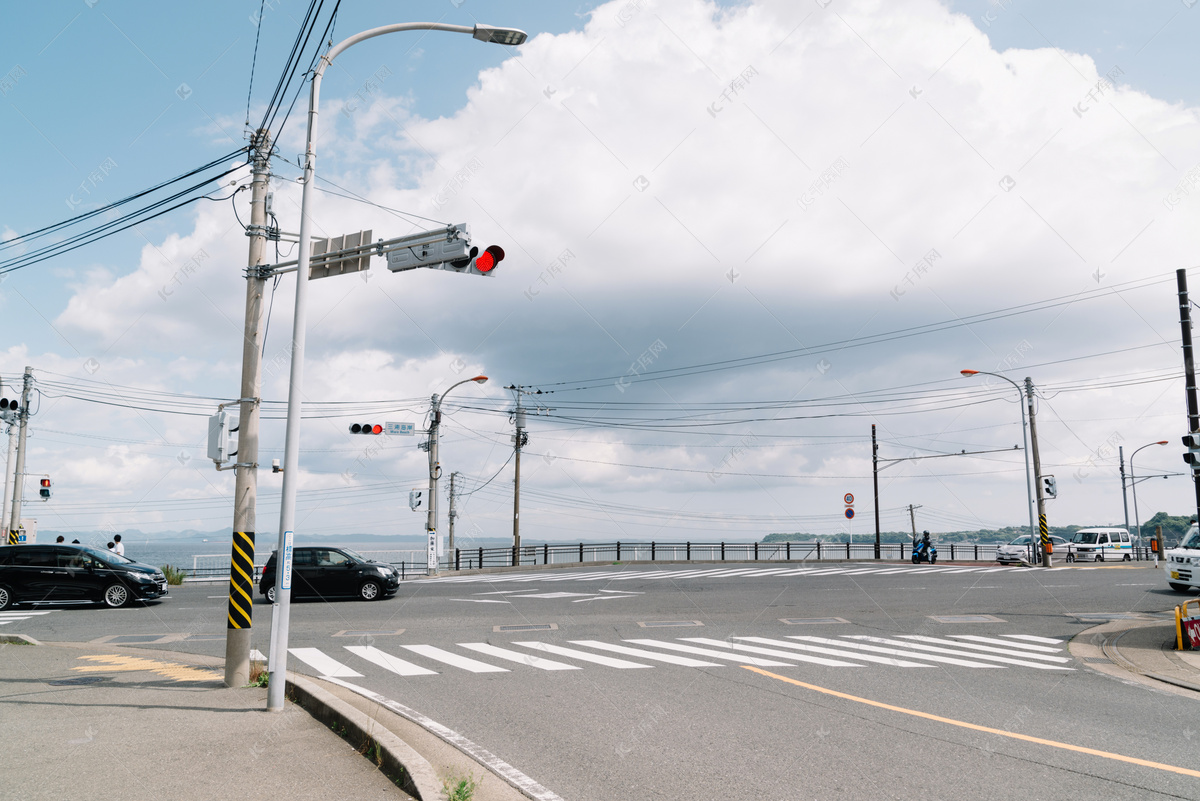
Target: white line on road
column 1031, row 638
column 691, row 649
column 607, row 661
column 670, row 659
column 327, row 666
column 996, row 641
column 454, row 660
column 515, row 656
column 389, row 662
column 949, row 660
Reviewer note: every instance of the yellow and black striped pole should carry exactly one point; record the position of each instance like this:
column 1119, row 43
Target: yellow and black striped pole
column 13, row 538
column 241, row 580
column 1045, row 537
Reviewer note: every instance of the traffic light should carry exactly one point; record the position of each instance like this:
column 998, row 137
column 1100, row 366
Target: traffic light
column 366, row 428
column 416, row 500
column 6, row 404
column 1049, row 487
column 1192, row 457
column 477, row 263
column 45, row 492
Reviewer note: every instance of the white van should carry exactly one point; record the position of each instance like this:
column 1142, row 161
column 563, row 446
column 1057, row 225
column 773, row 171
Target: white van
column 1102, row 544
column 1183, row 563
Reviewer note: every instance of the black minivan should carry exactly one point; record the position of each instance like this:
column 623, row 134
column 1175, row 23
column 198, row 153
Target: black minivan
column 57, row 574
column 333, row 573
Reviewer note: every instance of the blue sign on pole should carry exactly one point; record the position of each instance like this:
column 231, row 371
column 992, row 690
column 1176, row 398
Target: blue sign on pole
column 850, row 513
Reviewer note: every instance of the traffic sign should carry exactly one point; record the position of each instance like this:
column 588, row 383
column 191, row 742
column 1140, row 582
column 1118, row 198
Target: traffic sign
column 404, row 429
column 849, row 499
column 850, row 513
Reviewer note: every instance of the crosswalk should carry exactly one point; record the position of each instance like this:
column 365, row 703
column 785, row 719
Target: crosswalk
column 14, row 616
column 608, row 575
column 969, row 651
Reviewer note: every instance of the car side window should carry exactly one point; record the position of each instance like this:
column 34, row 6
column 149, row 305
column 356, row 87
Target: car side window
column 1124, row 536
column 303, row 558
column 1103, row 539
column 34, row 557
column 336, row 558
column 73, row 559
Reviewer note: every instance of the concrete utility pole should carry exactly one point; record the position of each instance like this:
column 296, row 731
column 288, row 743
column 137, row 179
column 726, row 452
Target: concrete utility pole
column 519, row 439
column 14, row 523
column 912, row 517
column 10, row 465
column 435, row 472
column 875, row 476
column 453, row 514
column 1124, row 497
column 245, row 494
column 1037, row 480
column 1189, row 368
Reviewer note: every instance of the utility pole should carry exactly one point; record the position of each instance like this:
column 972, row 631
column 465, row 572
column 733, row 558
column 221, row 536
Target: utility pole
column 875, row 476
column 1044, row 540
column 1189, row 368
column 11, row 463
column 519, row 439
column 435, row 471
column 453, row 514
column 913, row 519
column 1124, row 498
column 14, row 524
column 245, row 495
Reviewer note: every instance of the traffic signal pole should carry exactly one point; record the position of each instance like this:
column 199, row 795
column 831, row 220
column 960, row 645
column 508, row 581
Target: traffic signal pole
column 10, row 466
column 435, row 471
column 14, row 523
column 518, row 440
column 245, row 494
column 452, row 514
column 875, row 477
column 1189, row 368
column 1044, row 538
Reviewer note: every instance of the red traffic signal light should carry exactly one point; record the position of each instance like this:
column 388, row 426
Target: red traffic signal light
column 366, row 428
column 487, row 261
column 45, row 491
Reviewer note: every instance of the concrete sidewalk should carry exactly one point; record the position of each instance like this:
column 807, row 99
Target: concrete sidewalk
column 87, row 721
column 1141, row 650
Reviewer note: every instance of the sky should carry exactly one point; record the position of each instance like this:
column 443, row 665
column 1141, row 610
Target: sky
column 737, row 236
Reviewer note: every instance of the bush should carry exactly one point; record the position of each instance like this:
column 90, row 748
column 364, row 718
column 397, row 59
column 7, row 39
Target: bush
column 175, row 575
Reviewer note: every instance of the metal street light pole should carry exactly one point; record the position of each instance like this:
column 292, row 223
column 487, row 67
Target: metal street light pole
column 1137, row 521
column 1025, row 442
column 435, row 472
column 291, row 454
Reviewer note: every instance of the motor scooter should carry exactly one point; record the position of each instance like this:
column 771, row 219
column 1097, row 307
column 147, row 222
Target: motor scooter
column 924, row 551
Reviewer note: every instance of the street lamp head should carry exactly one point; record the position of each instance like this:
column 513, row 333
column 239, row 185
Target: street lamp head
column 1161, row 442
column 504, row 36
column 479, row 379
column 969, row 372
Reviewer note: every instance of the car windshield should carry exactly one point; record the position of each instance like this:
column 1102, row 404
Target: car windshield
column 1192, row 540
column 1085, row 537
column 1022, row 540
column 355, row 555
column 108, row 556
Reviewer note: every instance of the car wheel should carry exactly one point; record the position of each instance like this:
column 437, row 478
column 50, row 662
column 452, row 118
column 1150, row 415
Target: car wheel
column 1070, row 557
column 6, row 597
column 1128, row 558
column 1179, row 587
column 1099, row 557
column 116, row 595
column 369, row 590
column 271, row 594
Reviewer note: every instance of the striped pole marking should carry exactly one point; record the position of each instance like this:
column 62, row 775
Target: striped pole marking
column 241, row 580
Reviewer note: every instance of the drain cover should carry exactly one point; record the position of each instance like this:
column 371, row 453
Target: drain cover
column 527, row 627
column 965, row 619
column 1106, row 616
column 654, row 624
column 77, row 680
column 801, row 621
column 368, row 632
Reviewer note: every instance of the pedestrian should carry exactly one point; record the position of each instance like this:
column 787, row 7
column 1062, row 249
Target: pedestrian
column 112, row 547
column 61, row 538
column 120, row 547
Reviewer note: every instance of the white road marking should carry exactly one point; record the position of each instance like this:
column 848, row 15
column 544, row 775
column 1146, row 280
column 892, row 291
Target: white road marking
column 483, row 756
column 1031, row 638
column 454, row 660
column 996, row 641
column 477, row 600
column 24, row 614
column 515, row 656
column 904, row 643
column 1014, row 651
column 325, row 665
column 691, row 649
column 385, row 660
column 554, row 595
column 670, row 659
column 816, row 660
column 897, row 652
column 607, row 661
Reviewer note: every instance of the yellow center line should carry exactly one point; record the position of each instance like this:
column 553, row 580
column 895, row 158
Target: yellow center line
column 962, row 724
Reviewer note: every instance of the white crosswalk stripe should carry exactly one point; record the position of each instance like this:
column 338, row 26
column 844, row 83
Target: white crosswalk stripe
column 905, row 643
column 692, row 649
column 15, row 616
column 754, row 649
column 986, row 648
column 385, row 660
column 608, row 661
column 948, row 660
column 449, row 658
column 670, row 659
column 324, row 664
column 996, row 641
column 515, row 656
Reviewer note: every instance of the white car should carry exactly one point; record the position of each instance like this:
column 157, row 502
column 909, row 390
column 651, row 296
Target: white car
column 1017, row 551
column 1099, row 544
column 1183, row 563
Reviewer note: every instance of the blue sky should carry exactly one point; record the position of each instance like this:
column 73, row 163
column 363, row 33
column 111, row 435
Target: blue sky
column 685, row 227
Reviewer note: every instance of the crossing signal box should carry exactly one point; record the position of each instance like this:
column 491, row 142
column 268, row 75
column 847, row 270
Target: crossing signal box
column 478, row 263
column 45, row 491
column 366, row 428
column 416, row 500
column 1049, row 487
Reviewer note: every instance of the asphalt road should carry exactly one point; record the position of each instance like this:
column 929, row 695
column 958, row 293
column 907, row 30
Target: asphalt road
column 855, row 708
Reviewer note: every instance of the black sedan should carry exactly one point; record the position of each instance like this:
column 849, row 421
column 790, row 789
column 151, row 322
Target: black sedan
column 59, row 574
column 321, row 572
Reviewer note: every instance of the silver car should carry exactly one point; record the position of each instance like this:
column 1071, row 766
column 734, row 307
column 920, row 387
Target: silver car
column 1017, row 551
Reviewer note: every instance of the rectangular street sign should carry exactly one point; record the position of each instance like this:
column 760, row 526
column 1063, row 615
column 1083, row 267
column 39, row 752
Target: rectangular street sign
column 286, row 567
column 431, row 551
column 403, row 429
column 350, row 253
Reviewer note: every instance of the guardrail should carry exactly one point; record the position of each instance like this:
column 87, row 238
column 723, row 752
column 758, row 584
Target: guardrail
column 413, row 562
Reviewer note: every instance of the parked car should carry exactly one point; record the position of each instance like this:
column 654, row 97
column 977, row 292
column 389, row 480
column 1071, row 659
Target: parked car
column 321, row 572
column 1098, row 544
column 54, row 574
column 1017, row 551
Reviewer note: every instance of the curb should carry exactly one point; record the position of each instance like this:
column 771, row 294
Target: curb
column 412, row 771
column 1097, row 648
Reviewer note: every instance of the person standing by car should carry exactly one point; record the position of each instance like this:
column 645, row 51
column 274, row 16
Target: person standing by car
column 120, row 546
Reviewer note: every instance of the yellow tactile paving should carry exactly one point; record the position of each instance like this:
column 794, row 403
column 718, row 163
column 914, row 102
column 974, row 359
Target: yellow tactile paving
column 171, row 670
